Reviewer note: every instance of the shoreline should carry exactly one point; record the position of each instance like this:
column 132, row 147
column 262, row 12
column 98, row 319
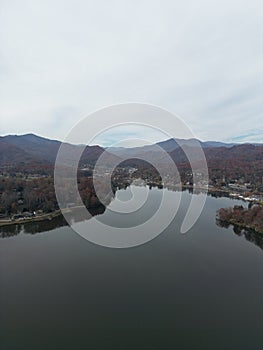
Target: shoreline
column 42, row 217
column 242, row 226
column 49, row 216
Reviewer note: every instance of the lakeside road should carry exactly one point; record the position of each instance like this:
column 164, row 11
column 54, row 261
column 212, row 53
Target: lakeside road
column 41, row 217
column 50, row 216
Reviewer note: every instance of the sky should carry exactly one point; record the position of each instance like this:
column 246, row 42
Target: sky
column 201, row 60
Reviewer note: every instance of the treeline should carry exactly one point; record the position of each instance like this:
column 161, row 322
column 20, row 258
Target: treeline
column 19, row 195
column 28, row 195
column 251, row 218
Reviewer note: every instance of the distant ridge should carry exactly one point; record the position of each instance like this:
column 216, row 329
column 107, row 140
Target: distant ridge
column 171, row 144
column 34, row 152
column 30, row 152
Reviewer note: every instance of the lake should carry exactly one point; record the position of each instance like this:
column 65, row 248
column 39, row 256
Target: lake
column 201, row 290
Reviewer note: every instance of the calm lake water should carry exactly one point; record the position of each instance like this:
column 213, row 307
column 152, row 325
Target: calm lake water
column 202, row 290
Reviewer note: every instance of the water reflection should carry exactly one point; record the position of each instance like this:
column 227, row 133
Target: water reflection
column 250, row 235
column 76, row 215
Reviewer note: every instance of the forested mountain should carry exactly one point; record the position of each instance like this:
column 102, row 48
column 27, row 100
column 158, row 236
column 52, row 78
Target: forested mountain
column 32, row 153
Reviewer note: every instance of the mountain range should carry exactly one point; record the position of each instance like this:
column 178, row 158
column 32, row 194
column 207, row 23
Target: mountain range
column 34, row 153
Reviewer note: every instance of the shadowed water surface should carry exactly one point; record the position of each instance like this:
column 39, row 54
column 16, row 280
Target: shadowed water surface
column 202, row 290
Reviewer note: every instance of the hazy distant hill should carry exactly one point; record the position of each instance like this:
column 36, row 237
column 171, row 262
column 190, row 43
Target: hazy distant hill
column 168, row 145
column 37, row 147
column 172, row 144
column 213, row 150
column 231, row 160
column 31, row 152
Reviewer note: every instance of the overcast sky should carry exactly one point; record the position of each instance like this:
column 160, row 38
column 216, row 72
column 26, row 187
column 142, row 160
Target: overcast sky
column 202, row 60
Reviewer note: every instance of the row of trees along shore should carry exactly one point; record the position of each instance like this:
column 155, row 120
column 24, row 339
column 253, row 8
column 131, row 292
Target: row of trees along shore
column 247, row 218
column 21, row 195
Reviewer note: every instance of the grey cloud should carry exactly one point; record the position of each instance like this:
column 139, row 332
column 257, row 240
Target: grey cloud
column 61, row 60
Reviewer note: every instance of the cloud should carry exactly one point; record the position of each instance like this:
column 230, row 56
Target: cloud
column 252, row 136
column 61, row 60
column 129, row 136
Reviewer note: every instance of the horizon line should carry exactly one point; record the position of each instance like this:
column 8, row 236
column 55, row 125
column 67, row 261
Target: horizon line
column 229, row 142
